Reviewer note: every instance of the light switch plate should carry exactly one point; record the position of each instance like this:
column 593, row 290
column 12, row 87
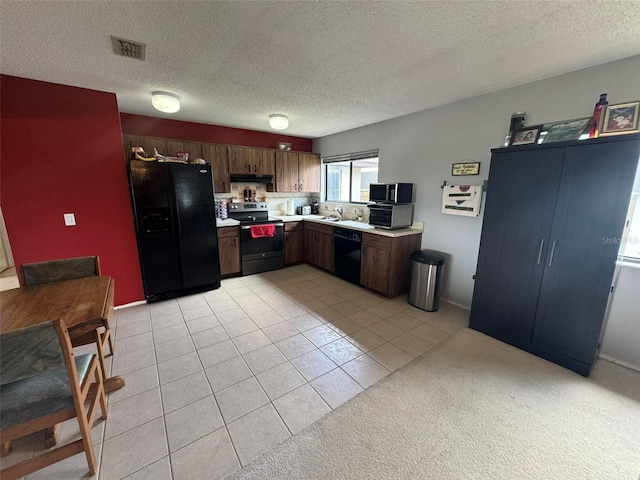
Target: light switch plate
column 69, row 219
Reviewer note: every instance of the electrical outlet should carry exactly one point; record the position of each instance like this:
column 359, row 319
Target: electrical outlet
column 69, row 219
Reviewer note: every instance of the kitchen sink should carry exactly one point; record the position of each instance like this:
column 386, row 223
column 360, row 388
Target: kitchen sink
column 347, row 223
column 352, row 223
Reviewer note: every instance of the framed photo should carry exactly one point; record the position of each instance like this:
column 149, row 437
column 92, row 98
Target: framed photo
column 565, row 130
column 620, row 119
column 526, row 136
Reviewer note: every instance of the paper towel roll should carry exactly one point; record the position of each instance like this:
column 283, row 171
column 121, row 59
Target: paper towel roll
column 291, row 208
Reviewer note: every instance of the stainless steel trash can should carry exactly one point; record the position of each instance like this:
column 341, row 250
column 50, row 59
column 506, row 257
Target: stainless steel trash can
column 426, row 277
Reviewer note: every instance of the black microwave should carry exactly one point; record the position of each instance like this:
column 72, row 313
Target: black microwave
column 391, row 192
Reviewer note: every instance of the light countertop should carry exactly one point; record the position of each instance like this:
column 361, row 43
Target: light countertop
column 229, row 222
column 415, row 229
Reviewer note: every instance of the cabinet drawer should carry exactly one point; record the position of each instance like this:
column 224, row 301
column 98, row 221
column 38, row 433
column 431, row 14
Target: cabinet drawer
column 376, row 241
column 228, row 232
column 293, row 226
column 318, row 227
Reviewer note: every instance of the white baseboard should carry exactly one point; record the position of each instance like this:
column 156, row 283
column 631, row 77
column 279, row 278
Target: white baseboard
column 466, row 307
column 132, row 304
column 628, row 365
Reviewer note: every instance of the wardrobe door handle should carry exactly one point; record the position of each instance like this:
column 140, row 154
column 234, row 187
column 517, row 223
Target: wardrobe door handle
column 540, row 251
column 553, row 248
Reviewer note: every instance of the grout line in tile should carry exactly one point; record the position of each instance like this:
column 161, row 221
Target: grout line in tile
column 277, row 288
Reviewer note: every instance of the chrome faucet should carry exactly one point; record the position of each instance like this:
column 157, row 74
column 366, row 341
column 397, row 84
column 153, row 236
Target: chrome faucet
column 339, row 210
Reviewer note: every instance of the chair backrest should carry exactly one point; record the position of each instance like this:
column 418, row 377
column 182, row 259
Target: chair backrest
column 29, row 351
column 57, row 270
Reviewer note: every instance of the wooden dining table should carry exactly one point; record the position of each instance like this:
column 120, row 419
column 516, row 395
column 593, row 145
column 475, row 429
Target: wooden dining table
column 83, row 304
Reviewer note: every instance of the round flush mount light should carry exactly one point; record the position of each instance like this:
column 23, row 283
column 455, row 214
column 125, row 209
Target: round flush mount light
column 278, row 121
column 165, row 102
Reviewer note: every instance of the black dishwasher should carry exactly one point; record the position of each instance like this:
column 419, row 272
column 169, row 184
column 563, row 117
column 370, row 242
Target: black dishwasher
column 347, row 250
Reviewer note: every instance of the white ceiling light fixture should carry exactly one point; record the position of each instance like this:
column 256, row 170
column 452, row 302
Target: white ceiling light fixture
column 165, row 102
column 278, row 121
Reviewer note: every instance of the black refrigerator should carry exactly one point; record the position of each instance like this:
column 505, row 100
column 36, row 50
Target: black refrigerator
column 175, row 222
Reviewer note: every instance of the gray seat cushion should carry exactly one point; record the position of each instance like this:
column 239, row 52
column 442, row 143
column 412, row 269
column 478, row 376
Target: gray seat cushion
column 39, row 395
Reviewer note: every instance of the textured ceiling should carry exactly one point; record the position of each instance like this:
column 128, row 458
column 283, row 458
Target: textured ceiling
column 328, row 65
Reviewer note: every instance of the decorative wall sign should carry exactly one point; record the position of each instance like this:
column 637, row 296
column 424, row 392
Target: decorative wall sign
column 461, row 200
column 469, row 168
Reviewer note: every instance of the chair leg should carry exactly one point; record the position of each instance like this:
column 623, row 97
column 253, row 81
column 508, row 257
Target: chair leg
column 90, row 454
column 110, row 338
column 5, row 448
column 99, row 345
column 85, row 418
column 51, row 436
column 103, row 396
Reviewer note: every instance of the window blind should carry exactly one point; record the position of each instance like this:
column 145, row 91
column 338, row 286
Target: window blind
column 347, row 157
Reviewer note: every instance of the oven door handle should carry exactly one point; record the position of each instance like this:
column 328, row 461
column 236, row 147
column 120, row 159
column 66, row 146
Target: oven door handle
column 247, row 227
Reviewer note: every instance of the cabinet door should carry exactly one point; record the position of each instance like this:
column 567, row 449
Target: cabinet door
column 218, row 157
column 374, row 269
column 590, row 215
column 293, row 247
column 267, row 165
column 229, row 245
column 194, row 149
column 286, row 172
column 325, row 251
column 308, row 172
column 517, row 220
column 239, row 160
column 148, row 144
column 399, row 272
column 260, row 161
column 311, row 246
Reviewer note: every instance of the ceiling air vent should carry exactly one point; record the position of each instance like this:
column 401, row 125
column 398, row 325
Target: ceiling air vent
column 128, row 48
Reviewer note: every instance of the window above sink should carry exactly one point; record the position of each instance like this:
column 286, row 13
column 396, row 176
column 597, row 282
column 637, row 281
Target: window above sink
column 347, row 177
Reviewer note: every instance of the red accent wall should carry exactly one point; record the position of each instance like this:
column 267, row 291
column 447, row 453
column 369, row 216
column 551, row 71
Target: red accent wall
column 61, row 152
column 199, row 132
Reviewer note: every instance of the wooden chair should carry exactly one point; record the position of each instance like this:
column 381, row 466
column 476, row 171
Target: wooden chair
column 43, row 384
column 68, row 269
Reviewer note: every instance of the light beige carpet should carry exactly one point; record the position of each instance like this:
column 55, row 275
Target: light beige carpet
column 472, row 408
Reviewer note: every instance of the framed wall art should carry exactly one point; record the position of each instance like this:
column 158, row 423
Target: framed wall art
column 565, row 130
column 526, row 136
column 620, row 119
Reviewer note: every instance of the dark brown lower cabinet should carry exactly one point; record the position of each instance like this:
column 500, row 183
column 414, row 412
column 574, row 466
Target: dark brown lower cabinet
column 318, row 245
column 293, row 242
column 229, row 248
column 386, row 266
column 548, row 249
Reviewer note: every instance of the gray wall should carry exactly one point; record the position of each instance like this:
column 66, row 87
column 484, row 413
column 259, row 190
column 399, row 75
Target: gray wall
column 621, row 342
column 421, row 147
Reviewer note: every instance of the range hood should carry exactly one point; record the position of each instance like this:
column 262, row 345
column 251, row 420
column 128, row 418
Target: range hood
column 251, row 177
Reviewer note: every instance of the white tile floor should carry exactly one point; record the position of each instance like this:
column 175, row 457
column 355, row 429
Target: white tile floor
column 216, row 379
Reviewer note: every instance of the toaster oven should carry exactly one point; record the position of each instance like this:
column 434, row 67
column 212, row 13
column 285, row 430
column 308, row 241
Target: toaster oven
column 390, row 216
